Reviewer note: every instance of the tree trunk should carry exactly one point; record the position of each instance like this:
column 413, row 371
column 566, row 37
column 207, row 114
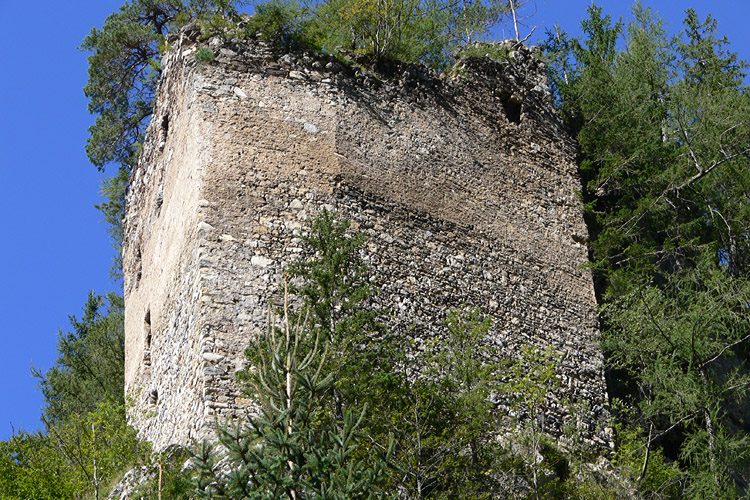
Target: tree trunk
column 711, row 436
column 512, row 4
column 160, row 471
column 96, row 470
column 648, row 454
column 564, row 65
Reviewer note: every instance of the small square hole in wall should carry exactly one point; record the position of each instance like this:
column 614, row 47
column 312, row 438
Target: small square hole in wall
column 511, row 107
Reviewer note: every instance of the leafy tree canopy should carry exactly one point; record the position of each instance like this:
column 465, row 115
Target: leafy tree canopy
column 90, row 364
column 124, row 69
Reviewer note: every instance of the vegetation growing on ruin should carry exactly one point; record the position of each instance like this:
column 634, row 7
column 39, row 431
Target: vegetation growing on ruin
column 125, row 55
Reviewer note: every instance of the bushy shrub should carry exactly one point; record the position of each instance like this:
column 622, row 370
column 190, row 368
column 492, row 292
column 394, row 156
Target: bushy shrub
column 169, row 477
column 204, row 55
column 284, row 23
column 496, row 51
column 661, row 479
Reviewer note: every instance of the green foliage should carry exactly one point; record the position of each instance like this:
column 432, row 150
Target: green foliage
column 446, row 432
column 425, row 442
column 382, row 29
column 441, row 414
column 123, row 72
column 169, row 479
column 660, row 479
column 32, row 467
column 335, row 281
column 124, row 69
column 499, row 52
column 335, row 286
column 663, row 131
column 464, row 366
column 98, row 445
column 408, row 30
column 658, row 131
column 286, row 451
column 114, row 190
column 686, row 328
column 87, row 442
column 531, row 382
column 204, row 54
column 89, row 366
column 285, row 23
column 78, row 458
column 472, row 20
column 532, row 379
column 444, row 445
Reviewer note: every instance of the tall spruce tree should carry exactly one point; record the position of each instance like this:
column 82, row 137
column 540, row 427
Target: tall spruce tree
column 666, row 149
column 335, row 285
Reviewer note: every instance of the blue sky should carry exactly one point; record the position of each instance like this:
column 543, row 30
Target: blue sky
column 53, row 245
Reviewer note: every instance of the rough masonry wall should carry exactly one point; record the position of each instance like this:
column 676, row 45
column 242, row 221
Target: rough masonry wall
column 465, row 186
column 163, row 367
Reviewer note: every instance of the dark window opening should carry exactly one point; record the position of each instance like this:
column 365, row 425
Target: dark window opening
column 153, row 397
column 165, row 125
column 159, row 202
column 164, row 132
column 147, row 334
column 511, row 107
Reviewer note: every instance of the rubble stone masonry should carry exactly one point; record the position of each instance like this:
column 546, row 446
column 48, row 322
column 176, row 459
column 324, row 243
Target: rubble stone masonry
column 464, row 183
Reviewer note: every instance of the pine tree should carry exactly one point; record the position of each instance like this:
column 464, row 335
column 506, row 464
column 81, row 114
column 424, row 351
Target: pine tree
column 287, row 451
column 124, row 70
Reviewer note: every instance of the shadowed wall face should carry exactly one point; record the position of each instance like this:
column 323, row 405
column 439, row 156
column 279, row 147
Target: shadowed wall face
column 464, row 185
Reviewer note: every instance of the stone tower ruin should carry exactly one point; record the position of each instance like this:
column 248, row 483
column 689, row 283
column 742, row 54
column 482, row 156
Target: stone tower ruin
column 464, row 183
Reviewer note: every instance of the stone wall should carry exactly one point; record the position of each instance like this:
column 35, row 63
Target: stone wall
column 464, row 183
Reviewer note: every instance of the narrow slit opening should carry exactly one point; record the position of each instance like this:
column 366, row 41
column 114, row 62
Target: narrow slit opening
column 147, row 339
column 138, row 267
column 147, row 328
column 165, row 125
column 164, row 132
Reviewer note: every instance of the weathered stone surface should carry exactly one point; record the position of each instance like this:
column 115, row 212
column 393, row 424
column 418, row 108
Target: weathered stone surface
column 465, row 186
column 129, row 483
